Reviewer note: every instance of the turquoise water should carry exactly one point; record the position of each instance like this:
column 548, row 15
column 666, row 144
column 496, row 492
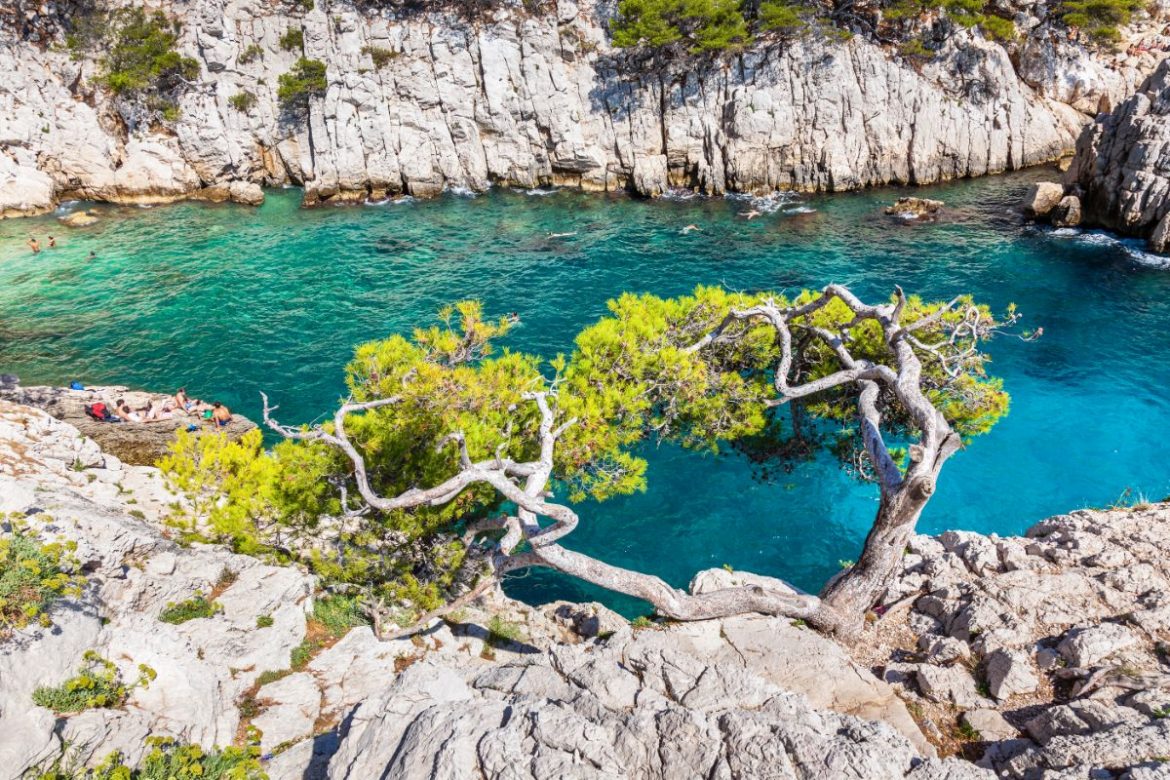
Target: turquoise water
column 230, row 301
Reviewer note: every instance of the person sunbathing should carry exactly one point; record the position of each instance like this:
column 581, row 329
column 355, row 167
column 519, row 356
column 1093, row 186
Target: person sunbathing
column 125, row 412
column 221, row 416
column 182, row 402
column 160, row 410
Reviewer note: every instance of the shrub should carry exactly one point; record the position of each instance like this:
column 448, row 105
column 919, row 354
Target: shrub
column 195, row 607
column 783, row 17
column 700, row 25
column 380, row 56
column 1099, row 18
column 338, row 614
column 168, row 760
column 237, row 490
column 293, row 39
column 250, row 54
column 32, row 577
column 305, row 80
column 242, row 102
column 264, row 621
column 142, row 63
column 301, row 654
column 271, row 676
column 98, row 684
column 502, row 632
column 915, row 48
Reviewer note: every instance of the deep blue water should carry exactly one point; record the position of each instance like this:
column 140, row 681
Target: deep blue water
column 230, row 301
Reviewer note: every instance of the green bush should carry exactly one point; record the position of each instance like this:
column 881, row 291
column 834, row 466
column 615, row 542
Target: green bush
column 195, row 607
column 142, row 63
column 502, row 632
column 338, row 614
column 250, row 54
column 242, row 102
column 699, row 25
column 305, row 80
column 271, row 676
column 167, row 760
column 381, row 56
column 1099, row 19
column 293, row 39
column 301, row 654
column 32, row 576
column 965, row 13
column 264, row 621
column 783, row 17
column 98, row 684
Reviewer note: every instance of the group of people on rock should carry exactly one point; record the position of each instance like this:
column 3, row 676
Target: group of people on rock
column 164, row 409
column 216, row 413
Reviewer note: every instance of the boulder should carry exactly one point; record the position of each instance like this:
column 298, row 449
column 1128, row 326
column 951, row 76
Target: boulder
column 246, row 192
column 951, row 685
column 1086, row 647
column 1010, row 673
column 1067, row 213
column 991, row 726
column 1041, row 198
column 25, row 190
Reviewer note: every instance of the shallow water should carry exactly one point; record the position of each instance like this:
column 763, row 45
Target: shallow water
column 230, row 301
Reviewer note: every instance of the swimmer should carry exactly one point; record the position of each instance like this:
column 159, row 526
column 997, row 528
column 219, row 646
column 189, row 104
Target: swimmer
column 562, row 235
column 689, row 228
column 52, row 242
column 750, row 214
column 34, row 245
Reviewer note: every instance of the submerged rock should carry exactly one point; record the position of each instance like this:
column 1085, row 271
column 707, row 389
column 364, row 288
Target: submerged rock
column 79, row 219
column 921, row 209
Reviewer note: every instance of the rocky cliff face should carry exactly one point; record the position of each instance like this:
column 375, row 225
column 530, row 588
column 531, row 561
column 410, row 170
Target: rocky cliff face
column 1122, row 165
column 530, row 99
column 1043, row 657
column 574, row 691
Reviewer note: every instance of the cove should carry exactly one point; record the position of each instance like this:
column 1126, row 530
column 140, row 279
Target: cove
column 230, row 301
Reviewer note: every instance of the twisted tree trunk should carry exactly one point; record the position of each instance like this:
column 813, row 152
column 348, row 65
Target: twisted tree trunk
column 843, row 604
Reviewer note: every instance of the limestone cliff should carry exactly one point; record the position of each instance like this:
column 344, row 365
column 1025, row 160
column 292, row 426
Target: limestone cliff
column 539, row 98
column 1042, row 657
column 1122, row 165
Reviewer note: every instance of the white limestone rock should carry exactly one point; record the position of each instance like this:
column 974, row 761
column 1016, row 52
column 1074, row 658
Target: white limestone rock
column 1010, row 673
column 1088, row 646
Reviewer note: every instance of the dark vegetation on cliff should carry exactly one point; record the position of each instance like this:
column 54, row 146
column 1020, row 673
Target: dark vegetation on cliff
column 719, row 25
column 138, row 59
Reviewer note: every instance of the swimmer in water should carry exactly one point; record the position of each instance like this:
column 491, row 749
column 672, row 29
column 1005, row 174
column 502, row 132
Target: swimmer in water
column 689, row 228
column 562, row 235
column 34, row 245
column 750, row 214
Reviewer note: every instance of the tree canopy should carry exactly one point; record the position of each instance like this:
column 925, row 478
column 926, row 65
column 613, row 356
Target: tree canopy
column 438, row 472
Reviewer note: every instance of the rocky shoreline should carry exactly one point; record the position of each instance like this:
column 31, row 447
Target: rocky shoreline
column 542, row 99
column 135, row 443
column 1036, row 657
